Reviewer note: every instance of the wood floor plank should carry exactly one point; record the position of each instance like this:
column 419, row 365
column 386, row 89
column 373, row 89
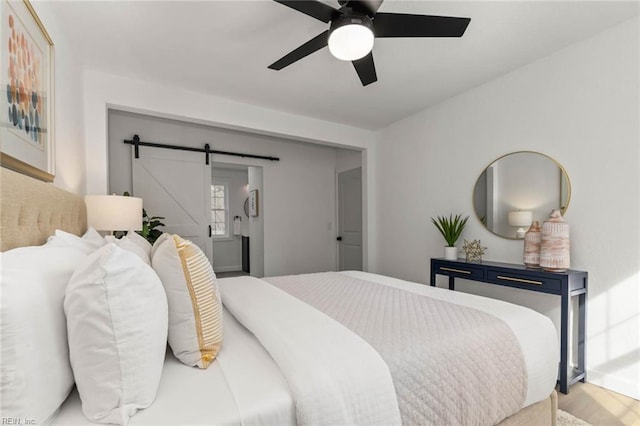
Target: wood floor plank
column 599, row 406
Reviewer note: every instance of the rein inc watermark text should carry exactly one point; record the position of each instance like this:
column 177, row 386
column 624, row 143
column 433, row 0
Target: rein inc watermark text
column 17, row 421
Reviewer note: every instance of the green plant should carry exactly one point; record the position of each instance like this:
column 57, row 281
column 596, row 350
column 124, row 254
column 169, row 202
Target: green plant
column 149, row 225
column 451, row 228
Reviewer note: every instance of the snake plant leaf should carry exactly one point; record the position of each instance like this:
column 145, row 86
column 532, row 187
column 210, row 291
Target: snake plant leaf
column 450, row 227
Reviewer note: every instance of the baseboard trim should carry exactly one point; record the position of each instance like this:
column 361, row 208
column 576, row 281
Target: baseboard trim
column 616, row 384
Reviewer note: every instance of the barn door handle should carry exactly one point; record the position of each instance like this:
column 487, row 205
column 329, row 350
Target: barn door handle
column 209, row 231
column 339, row 239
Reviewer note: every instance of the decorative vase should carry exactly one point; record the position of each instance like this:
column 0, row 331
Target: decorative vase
column 451, row 253
column 554, row 248
column 532, row 242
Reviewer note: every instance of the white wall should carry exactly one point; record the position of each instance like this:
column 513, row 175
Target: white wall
column 297, row 198
column 70, row 167
column 579, row 106
column 227, row 252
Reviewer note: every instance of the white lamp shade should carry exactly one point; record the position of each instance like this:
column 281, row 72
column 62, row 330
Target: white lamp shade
column 350, row 42
column 520, row 218
column 114, row 212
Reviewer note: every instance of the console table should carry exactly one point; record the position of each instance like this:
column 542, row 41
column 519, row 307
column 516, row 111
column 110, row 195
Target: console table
column 566, row 284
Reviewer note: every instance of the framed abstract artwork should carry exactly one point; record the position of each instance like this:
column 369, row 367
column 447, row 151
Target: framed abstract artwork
column 26, row 106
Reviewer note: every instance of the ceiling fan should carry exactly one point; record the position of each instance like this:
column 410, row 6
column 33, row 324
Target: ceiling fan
column 354, row 26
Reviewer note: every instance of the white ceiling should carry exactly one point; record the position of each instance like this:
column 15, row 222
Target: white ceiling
column 223, row 48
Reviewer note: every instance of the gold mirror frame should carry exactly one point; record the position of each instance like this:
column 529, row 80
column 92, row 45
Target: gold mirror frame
column 564, row 176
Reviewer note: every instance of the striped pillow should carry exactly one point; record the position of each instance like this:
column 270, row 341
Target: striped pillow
column 195, row 310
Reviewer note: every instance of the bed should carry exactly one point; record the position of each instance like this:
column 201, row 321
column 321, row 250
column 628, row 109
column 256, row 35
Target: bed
column 258, row 379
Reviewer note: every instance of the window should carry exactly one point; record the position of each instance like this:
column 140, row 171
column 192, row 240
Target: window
column 220, row 210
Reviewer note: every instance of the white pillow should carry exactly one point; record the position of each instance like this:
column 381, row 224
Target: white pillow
column 161, row 239
column 88, row 243
column 93, row 236
column 195, row 311
column 133, row 245
column 140, row 241
column 116, row 312
column 35, row 373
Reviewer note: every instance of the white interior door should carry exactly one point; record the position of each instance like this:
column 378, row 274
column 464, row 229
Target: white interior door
column 176, row 185
column 350, row 220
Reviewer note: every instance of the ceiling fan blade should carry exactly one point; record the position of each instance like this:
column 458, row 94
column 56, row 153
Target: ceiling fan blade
column 313, row 45
column 366, row 69
column 405, row 25
column 315, row 9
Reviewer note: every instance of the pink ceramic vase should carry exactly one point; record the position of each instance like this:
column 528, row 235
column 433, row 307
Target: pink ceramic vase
column 532, row 242
column 554, row 249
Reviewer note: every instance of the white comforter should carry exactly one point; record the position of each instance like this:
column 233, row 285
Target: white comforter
column 335, row 377
column 535, row 332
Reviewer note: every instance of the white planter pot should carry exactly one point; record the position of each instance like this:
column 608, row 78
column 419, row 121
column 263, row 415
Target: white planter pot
column 451, row 253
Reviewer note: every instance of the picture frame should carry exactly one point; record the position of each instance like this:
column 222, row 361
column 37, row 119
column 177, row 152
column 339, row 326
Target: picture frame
column 27, row 137
column 253, row 203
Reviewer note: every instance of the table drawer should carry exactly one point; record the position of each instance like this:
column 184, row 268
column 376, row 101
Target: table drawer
column 461, row 271
column 514, row 279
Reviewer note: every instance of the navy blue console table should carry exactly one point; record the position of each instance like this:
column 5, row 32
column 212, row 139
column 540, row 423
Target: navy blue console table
column 566, row 284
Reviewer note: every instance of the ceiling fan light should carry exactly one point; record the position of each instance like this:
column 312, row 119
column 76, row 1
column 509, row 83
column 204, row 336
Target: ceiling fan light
column 350, row 42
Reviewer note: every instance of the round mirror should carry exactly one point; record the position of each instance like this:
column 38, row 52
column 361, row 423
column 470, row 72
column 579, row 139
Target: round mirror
column 519, row 188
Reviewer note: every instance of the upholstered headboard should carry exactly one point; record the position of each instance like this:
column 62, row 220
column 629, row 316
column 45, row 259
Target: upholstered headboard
column 31, row 210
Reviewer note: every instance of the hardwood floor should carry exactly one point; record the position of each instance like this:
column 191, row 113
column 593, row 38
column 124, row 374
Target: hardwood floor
column 599, row 406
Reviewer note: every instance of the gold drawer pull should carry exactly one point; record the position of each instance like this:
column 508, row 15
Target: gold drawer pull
column 519, row 280
column 461, row 271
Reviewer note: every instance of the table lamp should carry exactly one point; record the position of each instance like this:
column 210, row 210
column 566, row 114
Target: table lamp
column 520, row 218
column 114, row 212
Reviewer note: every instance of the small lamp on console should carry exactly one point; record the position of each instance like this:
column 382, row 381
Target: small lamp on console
column 520, row 218
column 114, row 212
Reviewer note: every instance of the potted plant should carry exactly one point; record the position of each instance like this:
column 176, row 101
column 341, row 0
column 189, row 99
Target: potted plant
column 149, row 225
column 451, row 228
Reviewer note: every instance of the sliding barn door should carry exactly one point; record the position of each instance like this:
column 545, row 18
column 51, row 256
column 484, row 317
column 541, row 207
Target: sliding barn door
column 176, row 185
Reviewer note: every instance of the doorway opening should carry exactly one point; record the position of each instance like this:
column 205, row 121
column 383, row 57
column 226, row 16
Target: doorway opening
column 237, row 231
